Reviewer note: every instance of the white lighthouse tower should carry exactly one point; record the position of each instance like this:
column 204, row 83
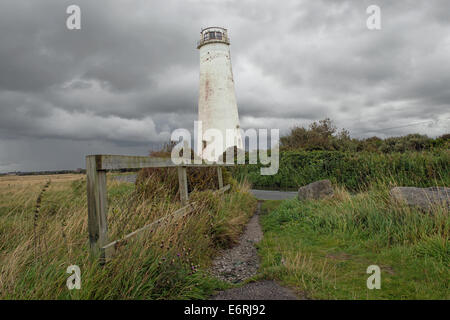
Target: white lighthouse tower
column 217, row 108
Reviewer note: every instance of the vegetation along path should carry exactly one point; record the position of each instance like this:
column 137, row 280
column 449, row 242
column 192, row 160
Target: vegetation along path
column 240, row 263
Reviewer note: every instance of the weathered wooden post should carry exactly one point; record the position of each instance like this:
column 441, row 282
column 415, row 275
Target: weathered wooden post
column 182, row 180
column 97, row 206
column 220, row 176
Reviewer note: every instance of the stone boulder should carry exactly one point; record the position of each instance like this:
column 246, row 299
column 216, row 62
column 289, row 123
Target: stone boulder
column 424, row 198
column 316, row 190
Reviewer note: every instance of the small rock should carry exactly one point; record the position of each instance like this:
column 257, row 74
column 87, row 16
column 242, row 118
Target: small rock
column 316, row 190
column 424, row 198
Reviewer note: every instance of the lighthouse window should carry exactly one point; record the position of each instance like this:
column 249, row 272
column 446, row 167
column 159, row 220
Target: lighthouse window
column 219, row 35
column 212, row 35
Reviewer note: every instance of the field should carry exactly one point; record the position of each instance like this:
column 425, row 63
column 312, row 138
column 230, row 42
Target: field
column 39, row 239
column 322, row 248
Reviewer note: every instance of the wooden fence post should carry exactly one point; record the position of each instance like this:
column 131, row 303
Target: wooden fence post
column 97, row 206
column 219, row 174
column 182, row 180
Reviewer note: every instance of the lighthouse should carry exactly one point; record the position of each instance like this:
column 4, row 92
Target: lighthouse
column 217, row 107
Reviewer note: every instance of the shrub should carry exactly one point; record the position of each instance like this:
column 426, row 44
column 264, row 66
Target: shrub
column 353, row 170
column 323, row 135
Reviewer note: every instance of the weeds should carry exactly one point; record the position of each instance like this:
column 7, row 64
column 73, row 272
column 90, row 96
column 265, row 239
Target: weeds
column 168, row 263
column 36, row 239
column 356, row 171
column 324, row 247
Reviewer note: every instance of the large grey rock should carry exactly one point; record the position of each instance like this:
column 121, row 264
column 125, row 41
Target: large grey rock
column 316, row 190
column 424, row 198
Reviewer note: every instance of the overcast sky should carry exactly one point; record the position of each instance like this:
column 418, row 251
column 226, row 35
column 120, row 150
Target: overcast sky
column 123, row 82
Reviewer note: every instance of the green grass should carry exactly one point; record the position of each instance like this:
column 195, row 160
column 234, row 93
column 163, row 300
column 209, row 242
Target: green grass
column 322, row 248
column 353, row 170
column 168, row 263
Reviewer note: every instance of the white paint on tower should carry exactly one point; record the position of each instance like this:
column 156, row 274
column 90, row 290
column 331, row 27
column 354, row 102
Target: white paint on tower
column 217, row 107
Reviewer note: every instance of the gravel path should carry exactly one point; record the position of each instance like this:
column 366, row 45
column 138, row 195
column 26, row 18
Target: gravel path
column 241, row 262
column 273, row 195
column 261, row 290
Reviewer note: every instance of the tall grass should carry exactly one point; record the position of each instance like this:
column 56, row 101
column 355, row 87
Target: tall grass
column 371, row 216
column 168, row 263
column 354, row 171
column 324, row 247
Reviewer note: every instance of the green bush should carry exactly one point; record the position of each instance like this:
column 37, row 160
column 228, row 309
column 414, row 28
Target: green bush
column 323, row 135
column 353, row 170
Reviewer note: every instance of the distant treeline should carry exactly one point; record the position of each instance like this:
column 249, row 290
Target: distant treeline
column 323, row 135
column 78, row 171
column 36, row 173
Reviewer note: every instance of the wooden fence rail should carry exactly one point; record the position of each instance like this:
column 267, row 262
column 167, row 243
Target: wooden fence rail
column 96, row 168
column 110, row 249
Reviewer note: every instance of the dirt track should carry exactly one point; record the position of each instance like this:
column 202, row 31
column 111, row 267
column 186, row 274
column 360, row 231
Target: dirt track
column 242, row 262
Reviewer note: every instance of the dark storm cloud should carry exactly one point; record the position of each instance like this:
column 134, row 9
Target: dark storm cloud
column 124, row 81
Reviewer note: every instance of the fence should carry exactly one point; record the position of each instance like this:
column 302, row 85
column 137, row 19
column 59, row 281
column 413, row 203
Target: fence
column 96, row 168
